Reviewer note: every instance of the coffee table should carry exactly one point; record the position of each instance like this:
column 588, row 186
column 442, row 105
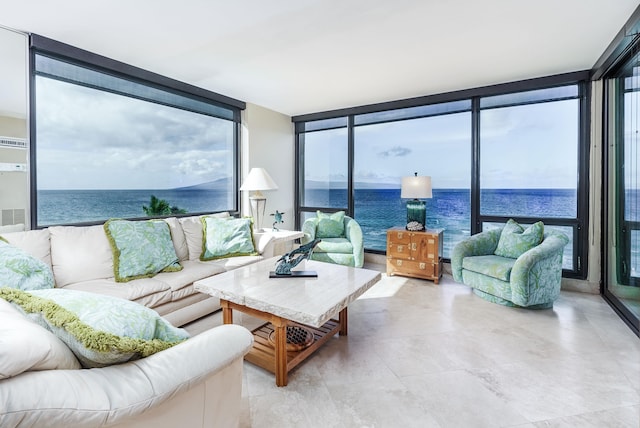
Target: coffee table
column 310, row 303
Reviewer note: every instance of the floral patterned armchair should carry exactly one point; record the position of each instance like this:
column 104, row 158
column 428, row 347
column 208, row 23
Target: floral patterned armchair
column 341, row 239
column 512, row 266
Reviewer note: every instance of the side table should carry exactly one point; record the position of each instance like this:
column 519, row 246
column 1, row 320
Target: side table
column 415, row 254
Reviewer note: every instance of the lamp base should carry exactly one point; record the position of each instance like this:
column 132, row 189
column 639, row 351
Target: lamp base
column 416, row 215
column 258, row 205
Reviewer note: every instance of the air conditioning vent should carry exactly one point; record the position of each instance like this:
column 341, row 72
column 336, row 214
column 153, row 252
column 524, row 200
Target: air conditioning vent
column 13, row 143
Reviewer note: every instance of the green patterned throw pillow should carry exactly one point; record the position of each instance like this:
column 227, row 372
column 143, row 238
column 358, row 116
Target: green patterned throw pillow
column 18, row 269
column 227, row 238
column 330, row 225
column 515, row 240
column 100, row 330
column 141, row 249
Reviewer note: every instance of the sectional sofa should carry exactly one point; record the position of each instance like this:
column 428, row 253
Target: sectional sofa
column 81, row 258
column 195, row 383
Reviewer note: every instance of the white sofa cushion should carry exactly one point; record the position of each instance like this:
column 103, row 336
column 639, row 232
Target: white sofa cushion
column 236, row 262
column 80, row 254
column 146, row 291
column 26, row 346
column 34, row 242
column 192, row 227
column 191, row 271
column 12, row 228
column 178, row 238
column 126, row 393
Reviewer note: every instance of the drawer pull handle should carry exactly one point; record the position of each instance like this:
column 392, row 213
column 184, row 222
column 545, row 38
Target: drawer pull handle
column 431, row 256
column 398, row 262
column 400, row 235
column 413, row 246
column 400, row 248
column 423, row 266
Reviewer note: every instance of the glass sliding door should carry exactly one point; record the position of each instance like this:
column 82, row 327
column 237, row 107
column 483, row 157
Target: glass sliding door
column 622, row 241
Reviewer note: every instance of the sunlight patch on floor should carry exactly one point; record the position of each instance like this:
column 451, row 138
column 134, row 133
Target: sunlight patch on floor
column 387, row 287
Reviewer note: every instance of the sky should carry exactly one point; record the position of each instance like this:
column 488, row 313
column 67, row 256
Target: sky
column 90, row 139
column 529, row 146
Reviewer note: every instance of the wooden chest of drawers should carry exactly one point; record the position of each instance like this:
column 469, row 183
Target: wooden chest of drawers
column 414, row 254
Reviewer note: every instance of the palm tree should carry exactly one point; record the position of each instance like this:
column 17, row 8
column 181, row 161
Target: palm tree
column 160, row 207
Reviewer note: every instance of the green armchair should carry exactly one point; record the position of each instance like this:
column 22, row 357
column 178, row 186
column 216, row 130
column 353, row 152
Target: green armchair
column 531, row 280
column 344, row 245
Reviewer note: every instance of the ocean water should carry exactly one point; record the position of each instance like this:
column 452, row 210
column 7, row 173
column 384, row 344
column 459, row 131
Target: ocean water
column 77, row 206
column 376, row 210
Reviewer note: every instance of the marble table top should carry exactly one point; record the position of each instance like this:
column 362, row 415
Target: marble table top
column 309, row 301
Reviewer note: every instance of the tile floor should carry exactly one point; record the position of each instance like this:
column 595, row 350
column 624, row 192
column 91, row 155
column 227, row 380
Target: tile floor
column 425, row 355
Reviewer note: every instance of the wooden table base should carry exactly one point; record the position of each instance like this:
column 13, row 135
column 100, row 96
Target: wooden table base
column 277, row 359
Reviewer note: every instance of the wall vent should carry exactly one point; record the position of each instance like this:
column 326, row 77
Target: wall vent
column 12, row 216
column 13, row 143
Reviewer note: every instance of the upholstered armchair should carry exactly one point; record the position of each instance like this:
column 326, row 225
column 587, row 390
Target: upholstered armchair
column 526, row 276
column 341, row 239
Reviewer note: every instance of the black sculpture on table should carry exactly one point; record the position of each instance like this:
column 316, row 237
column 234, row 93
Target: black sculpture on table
column 292, row 259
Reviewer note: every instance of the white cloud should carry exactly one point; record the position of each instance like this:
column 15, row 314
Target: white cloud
column 92, row 139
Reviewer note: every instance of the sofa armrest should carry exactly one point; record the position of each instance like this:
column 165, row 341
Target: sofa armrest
column 480, row 244
column 538, row 271
column 110, row 395
column 309, row 229
column 265, row 243
column 353, row 232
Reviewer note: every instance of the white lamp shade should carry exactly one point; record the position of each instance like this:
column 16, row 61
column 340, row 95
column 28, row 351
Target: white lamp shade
column 416, row 187
column 258, row 179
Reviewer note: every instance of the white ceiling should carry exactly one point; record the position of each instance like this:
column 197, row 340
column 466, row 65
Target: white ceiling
column 304, row 56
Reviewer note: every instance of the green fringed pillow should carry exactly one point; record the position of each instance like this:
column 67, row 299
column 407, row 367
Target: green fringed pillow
column 227, row 238
column 330, row 225
column 141, row 249
column 515, row 240
column 18, row 269
column 100, row 330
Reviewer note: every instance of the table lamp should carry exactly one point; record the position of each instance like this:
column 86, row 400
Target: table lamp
column 258, row 180
column 416, row 188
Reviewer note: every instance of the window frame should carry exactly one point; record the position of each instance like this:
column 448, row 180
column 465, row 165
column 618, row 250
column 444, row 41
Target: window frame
column 39, row 45
column 579, row 224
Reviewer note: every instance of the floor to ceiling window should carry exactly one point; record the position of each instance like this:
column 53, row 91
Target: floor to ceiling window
column 509, row 151
column 622, row 190
column 431, row 141
column 325, row 165
column 109, row 144
column 529, row 152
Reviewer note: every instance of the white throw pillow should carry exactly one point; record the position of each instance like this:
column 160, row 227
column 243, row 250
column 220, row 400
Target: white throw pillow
column 34, row 242
column 25, row 346
column 178, row 238
column 12, row 228
column 80, row 254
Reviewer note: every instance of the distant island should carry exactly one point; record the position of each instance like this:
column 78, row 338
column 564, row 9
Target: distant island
column 314, row 184
column 220, row 184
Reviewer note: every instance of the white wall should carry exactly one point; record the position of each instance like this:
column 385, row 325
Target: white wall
column 268, row 142
column 14, row 185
